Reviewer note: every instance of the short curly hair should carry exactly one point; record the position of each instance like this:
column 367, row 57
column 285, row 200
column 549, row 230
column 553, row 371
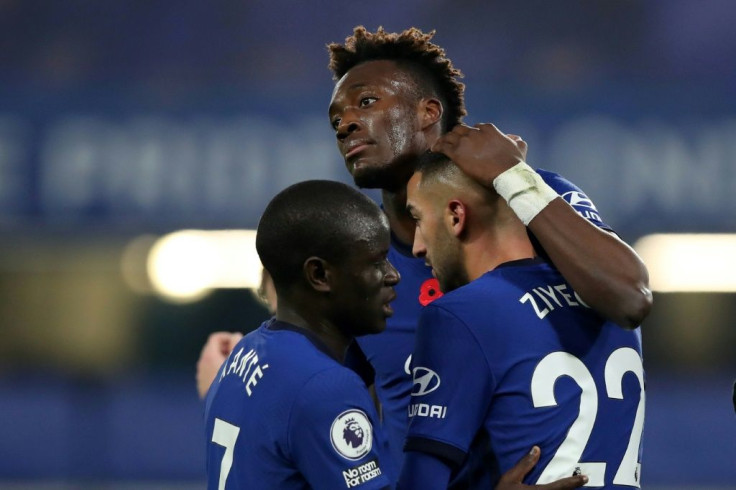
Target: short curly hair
column 412, row 50
column 287, row 234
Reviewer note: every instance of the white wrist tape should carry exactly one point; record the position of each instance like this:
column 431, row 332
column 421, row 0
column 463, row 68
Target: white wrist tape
column 524, row 190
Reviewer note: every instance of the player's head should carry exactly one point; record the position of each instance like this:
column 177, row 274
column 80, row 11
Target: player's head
column 448, row 207
column 325, row 245
column 396, row 93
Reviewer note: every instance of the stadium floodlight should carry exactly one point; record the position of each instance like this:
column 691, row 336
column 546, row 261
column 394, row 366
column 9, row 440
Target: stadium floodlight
column 186, row 265
column 690, row 262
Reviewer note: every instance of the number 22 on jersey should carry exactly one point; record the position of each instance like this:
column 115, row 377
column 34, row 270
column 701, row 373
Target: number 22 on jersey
column 567, row 457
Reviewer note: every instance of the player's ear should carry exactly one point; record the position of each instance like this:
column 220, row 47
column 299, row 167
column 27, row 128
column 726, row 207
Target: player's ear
column 430, row 112
column 456, row 217
column 317, row 273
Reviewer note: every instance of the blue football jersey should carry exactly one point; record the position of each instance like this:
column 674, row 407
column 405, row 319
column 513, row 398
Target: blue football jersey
column 285, row 414
column 389, row 351
column 515, row 359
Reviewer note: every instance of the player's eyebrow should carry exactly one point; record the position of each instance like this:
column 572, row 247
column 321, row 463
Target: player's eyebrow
column 351, row 88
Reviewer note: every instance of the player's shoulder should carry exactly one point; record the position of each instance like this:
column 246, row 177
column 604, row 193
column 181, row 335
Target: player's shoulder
column 310, row 379
column 463, row 306
column 335, row 378
column 330, row 391
column 559, row 183
column 296, row 354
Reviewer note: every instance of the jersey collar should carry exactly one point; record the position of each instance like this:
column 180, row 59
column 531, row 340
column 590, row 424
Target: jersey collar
column 522, row 262
column 274, row 324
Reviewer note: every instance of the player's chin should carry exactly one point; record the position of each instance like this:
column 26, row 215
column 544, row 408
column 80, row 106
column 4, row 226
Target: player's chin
column 379, row 325
column 369, row 175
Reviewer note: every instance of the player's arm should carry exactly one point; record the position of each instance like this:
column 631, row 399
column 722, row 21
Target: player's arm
column 424, row 471
column 439, row 438
column 215, row 351
column 607, row 274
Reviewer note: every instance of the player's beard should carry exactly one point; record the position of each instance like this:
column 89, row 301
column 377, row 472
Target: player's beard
column 455, row 276
column 449, row 265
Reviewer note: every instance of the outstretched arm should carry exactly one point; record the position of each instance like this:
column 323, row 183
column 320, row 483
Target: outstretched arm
column 607, row 274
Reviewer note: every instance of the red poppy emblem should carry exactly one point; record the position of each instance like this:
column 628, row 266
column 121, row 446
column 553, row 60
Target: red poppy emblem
column 429, row 291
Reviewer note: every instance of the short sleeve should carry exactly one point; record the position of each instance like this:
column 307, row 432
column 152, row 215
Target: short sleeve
column 333, row 436
column 575, row 197
column 453, row 387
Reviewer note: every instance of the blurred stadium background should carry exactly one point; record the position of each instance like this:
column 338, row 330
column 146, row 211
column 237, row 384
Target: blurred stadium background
column 121, row 122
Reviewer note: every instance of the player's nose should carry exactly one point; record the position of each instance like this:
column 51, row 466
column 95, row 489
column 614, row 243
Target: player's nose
column 418, row 249
column 392, row 277
column 349, row 124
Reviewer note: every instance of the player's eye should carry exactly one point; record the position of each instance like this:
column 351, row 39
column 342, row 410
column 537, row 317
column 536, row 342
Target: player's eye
column 335, row 123
column 365, row 101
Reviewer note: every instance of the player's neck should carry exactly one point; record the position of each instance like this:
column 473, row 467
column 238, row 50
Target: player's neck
column 494, row 246
column 331, row 336
column 400, row 221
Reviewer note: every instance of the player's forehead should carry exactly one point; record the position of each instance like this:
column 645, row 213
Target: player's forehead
column 376, row 74
column 370, row 236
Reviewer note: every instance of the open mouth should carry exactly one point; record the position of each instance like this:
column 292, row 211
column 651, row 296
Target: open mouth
column 388, row 310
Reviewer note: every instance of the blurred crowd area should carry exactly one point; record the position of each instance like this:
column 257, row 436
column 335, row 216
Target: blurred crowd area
column 188, row 47
column 123, row 119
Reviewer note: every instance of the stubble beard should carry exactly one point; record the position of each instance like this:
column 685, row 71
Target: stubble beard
column 453, row 274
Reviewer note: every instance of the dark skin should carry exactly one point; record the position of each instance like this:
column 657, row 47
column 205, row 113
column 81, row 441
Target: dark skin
column 512, row 479
column 365, row 108
column 340, row 301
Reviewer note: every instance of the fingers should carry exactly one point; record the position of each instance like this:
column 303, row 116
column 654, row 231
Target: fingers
column 566, row 483
column 215, row 351
column 520, row 143
column 233, row 339
column 516, row 475
column 222, row 342
column 488, row 128
column 450, row 140
column 520, row 469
